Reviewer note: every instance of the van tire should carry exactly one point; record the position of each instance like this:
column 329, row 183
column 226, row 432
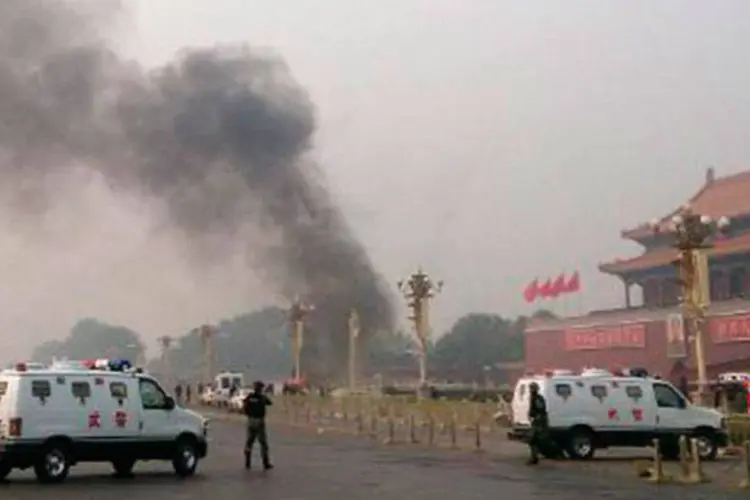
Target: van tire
column 708, row 445
column 53, row 464
column 580, row 443
column 185, row 459
column 123, row 466
column 5, row 469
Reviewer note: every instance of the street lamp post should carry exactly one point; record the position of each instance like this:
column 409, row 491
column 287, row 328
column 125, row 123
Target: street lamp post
column 207, row 335
column 297, row 316
column 418, row 290
column 165, row 342
column 693, row 234
column 354, row 330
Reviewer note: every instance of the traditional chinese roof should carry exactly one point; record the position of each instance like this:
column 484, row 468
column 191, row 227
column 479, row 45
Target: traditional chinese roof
column 667, row 255
column 724, row 196
column 630, row 316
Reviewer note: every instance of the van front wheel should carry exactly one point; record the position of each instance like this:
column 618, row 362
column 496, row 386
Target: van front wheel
column 580, row 444
column 185, row 460
column 708, row 447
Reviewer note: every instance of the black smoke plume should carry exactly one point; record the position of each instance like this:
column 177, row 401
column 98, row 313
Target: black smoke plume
column 219, row 136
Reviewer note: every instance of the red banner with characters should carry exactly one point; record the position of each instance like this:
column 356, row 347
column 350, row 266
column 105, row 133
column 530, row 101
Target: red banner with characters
column 606, row 337
column 725, row 329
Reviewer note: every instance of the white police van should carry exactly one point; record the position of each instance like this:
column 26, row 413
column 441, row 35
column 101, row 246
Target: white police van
column 95, row 411
column 599, row 409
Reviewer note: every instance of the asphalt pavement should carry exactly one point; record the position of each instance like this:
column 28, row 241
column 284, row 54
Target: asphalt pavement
column 335, row 466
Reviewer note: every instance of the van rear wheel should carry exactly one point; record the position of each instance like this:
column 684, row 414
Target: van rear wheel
column 53, row 464
column 5, row 469
column 580, row 444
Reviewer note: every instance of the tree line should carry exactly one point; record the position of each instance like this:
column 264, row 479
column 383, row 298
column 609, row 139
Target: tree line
column 258, row 343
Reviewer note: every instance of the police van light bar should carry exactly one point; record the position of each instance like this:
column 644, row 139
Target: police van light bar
column 593, row 371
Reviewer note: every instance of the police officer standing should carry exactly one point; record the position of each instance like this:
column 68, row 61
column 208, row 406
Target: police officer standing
column 539, row 423
column 254, row 406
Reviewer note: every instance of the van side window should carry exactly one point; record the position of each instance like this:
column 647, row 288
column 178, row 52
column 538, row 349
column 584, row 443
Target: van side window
column 599, row 392
column 118, row 390
column 634, row 392
column 521, row 392
column 80, row 390
column 3, row 389
column 41, row 389
column 564, row 390
column 152, row 397
column 667, row 397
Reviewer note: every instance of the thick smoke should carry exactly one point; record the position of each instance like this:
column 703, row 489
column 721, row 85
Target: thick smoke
column 218, row 136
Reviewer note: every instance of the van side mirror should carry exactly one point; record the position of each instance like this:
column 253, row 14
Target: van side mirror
column 169, row 404
column 681, row 404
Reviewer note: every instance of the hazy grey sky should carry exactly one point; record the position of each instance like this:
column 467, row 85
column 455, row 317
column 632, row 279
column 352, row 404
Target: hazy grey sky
column 490, row 141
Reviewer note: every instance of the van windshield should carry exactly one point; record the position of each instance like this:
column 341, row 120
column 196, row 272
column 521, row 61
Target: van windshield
column 225, row 383
column 237, row 382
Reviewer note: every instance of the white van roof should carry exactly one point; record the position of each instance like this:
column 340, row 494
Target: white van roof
column 75, row 367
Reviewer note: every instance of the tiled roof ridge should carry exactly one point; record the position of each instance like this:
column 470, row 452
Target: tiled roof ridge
column 657, row 251
column 637, row 232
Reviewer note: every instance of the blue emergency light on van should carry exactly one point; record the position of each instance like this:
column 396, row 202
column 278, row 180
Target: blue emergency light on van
column 120, row 365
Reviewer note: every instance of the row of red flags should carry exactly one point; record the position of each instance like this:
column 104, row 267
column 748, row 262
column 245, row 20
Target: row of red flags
column 551, row 289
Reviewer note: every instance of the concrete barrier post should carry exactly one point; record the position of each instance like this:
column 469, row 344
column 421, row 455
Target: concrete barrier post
column 745, row 483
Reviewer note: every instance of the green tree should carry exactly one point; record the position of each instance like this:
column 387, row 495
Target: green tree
column 91, row 338
column 257, row 344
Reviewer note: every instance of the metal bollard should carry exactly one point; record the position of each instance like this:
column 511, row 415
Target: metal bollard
column 684, row 459
column 745, row 483
column 657, row 472
column 696, row 474
column 431, row 431
column 374, row 424
column 452, row 431
column 391, row 438
column 360, row 423
column 412, row 430
column 478, row 436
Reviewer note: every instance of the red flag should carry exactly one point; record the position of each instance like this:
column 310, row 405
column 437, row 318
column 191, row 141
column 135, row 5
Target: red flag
column 545, row 291
column 559, row 286
column 531, row 293
column 574, row 284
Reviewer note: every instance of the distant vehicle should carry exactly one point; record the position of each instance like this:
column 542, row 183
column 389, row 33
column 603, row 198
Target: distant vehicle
column 236, row 402
column 51, row 419
column 597, row 409
column 223, row 383
column 207, row 396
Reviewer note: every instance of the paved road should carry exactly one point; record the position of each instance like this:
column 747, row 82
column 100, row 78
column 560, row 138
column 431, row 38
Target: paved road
column 311, row 467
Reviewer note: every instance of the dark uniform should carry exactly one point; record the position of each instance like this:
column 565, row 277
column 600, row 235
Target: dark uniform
column 539, row 423
column 254, row 406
